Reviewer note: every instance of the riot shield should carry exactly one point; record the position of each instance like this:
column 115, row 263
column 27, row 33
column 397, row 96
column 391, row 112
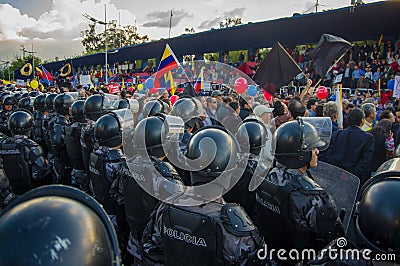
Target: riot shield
column 340, row 184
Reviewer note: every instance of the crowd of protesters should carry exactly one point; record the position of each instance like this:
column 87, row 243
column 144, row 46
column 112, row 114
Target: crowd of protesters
column 364, row 135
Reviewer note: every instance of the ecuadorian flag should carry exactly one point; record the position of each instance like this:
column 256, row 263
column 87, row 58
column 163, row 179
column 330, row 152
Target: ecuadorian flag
column 168, row 62
column 200, row 81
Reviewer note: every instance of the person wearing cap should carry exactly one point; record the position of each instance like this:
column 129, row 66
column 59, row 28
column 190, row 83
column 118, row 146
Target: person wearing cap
column 352, row 100
column 264, row 113
column 217, row 94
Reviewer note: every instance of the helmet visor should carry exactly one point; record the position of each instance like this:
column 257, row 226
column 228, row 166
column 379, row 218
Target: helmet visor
column 319, row 135
column 113, row 101
column 133, row 105
column 125, row 119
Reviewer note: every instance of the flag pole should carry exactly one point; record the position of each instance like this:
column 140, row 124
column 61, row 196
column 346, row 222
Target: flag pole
column 305, row 91
column 179, row 64
column 330, row 68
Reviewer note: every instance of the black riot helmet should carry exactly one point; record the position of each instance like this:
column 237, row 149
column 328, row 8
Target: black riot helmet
column 154, row 133
column 295, row 141
column 190, row 110
column 57, row 225
column 95, row 106
column 39, row 102
column 9, row 100
column 34, row 93
column 123, row 103
column 17, row 96
column 187, row 108
column 49, row 102
column 20, row 123
column 4, row 95
column 211, row 163
column 76, row 112
column 154, row 107
column 62, row 103
column 378, row 211
column 25, row 94
column 26, row 103
column 252, row 136
column 108, row 130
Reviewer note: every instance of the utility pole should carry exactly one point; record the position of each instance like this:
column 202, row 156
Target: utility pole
column 23, row 50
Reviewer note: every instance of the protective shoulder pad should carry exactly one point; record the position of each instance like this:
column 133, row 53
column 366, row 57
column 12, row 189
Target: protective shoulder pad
column 30, row 143
column 236, row 221
column 308, row 184
column 115, row 155
column 165, row 169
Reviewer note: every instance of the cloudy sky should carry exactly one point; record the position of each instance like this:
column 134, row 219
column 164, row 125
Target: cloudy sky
column 54, row 26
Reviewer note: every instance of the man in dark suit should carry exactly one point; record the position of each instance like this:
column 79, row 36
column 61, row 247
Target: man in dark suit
column 353, row 149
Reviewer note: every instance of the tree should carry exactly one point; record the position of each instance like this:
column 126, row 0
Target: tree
column 116, row 37
column 230, row 22
column 189, row 31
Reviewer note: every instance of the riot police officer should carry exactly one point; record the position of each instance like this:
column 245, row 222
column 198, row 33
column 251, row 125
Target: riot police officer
column 378, row 211
column 190, row 110
column 23, row 159
column 57, row 225
column 79, row 177
column 154, row 107
column 251, row 137
column 38, row 116
column 48, row 116
column 8, row 105
column 150, row 174
column 62, row 164
column 299, row 212
column 26, row 103
column 208, row 230
column 109, row 171
column 94, row 107
column 5, row 190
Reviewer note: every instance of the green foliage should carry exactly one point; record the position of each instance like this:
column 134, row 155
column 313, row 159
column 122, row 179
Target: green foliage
column 230, row 22
column 116, row 37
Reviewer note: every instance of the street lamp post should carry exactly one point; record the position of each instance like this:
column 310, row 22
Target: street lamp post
column 7, row 65
column 105, row 33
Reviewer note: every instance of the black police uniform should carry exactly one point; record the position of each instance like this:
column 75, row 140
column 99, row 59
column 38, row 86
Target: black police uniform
column 300, row 213
column 24, row 163
column 79, row 176
column 62, row 166
column 138, row 203
column 38, row 117
column 210, row 232
column 88, row 143
column 4, row 115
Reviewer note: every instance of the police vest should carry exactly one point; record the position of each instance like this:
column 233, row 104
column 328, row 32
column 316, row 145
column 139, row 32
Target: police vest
column 277, row 216
column 138, row 203
column 240, row 192
column 16, row 165
column 88, row 143
column 73, row 145
column 98, row 179
column 198, row 239
column 46, row 130
column 38, row 127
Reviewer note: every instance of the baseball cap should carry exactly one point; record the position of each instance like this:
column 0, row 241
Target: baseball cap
column 216, row 93
column 260, row 109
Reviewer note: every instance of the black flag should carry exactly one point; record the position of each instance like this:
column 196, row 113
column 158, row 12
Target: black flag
column 328, row 49
column 189, row 90
column 277, row 69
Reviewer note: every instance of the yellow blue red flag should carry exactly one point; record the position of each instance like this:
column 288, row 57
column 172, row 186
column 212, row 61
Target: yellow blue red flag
column 168, row 62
